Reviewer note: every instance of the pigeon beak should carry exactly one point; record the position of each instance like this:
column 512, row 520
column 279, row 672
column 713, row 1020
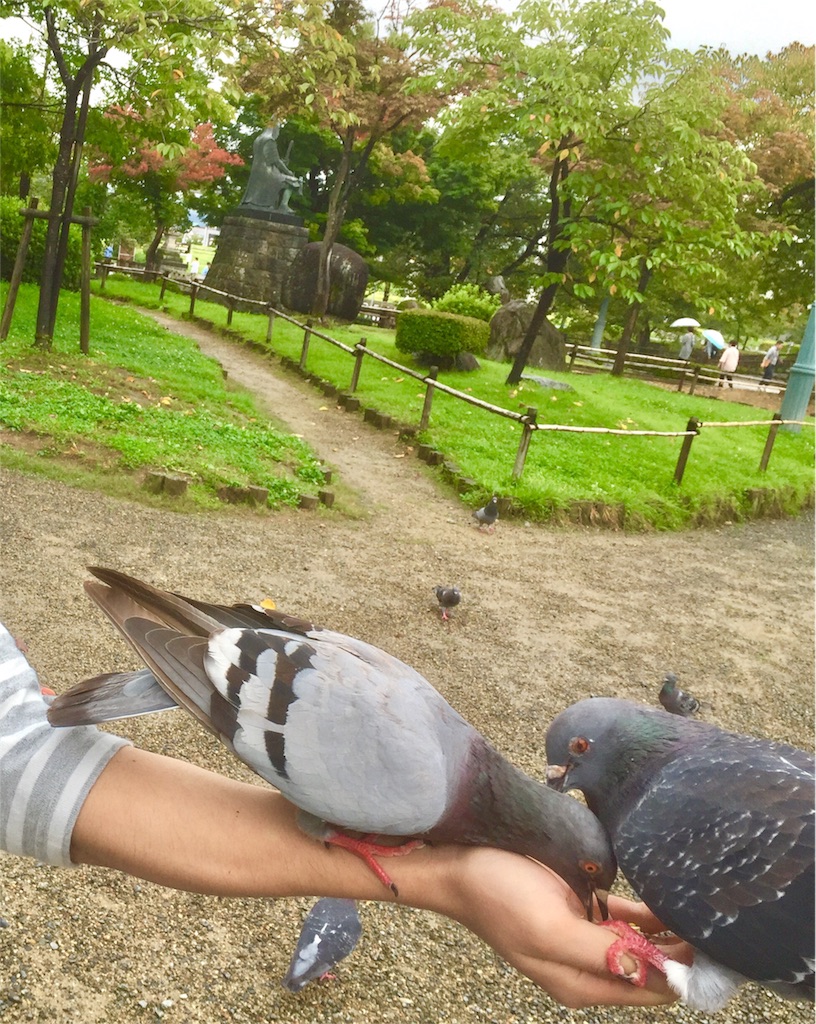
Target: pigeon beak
column 556, row 774
column 602, row 896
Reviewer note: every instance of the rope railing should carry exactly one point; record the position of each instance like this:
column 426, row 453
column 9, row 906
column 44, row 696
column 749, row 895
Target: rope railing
column 528, row 420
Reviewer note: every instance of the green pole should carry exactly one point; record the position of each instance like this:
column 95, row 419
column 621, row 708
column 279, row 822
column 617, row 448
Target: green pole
column 801, row 379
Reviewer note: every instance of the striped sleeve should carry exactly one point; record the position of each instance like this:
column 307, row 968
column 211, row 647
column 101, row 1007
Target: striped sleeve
column 45, row 773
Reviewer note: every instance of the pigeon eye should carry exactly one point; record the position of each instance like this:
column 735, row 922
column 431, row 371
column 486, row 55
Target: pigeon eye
column 590, row 867
column 578, row 745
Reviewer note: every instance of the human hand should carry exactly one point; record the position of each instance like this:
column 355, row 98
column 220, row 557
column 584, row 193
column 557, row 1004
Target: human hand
column 532, row 918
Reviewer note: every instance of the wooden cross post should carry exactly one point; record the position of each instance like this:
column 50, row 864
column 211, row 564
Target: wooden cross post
column 19, row 266
column 31, row 213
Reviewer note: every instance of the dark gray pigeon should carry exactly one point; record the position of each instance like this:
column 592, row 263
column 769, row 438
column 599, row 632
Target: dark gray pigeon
column 488, row 515
column 330, row 932
column 713, row 830
column 356, row 739
column 448, row 598
column 675, row 700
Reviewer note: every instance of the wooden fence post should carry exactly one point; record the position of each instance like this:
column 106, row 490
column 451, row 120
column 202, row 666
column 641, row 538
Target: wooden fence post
column 772, row 432
column 305, row 350
column 230, row 310
column 693, row 425
column 429, row 393
column 85, row 285
column 270, row 323
column 163, row 286
column 17, row 271
column 573, row 354
column 694, row 379
column 526, row 432
column 359, row 355
column 193, row 296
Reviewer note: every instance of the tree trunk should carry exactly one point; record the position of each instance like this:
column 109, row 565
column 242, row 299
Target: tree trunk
column 556, row 263
column 151, row 253
column 631, row 321
column 59, row 186
column 334, row 221
column 66, row 167
column 70, row 193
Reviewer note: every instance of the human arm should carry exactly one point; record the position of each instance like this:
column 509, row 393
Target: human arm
column 230, row 838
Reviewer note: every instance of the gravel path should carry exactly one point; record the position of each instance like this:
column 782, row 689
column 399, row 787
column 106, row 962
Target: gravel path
column 547, row 618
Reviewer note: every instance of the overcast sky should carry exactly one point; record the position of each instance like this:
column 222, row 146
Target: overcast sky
column 742, row 26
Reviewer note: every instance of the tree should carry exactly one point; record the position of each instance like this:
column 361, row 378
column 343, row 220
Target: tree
column 171, row 54
column 360, row 87
column 159, row 182
column 769, row 115
column 625, row 136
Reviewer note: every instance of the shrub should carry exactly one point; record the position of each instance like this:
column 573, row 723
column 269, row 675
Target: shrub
column 441, row 335
column 11, row 228
column 468, row 300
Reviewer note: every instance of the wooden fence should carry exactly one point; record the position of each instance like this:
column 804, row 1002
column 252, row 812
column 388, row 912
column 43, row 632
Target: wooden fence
column 528, row 420
column 663, row 367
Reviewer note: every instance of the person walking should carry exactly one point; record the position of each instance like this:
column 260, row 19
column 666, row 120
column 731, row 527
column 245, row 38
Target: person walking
column 728, row 362
column 687, row 343
column 769, row 363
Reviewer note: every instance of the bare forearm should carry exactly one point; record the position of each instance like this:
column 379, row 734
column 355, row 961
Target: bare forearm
column 181, row 826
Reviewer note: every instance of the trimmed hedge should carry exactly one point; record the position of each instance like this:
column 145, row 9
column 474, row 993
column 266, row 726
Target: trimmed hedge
column 11, row 228
column 443, row 335
column 468, row 300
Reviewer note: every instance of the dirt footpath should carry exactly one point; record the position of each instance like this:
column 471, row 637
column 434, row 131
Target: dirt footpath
column 547, row 617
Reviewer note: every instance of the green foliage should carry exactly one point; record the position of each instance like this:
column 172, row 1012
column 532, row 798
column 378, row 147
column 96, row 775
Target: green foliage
column 145, row 398
column 468, row 300
column 27, row 122
column 11, row 228
column 438, row 334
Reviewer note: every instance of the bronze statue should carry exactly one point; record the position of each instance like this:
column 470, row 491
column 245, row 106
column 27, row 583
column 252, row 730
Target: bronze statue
column 271, row 183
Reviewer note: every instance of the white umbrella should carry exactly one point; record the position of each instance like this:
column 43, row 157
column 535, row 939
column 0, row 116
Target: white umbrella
column 716, row 339
column 685, row 321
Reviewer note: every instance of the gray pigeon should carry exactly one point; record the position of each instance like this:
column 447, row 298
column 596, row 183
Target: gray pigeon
column 675, row 700
column 330, row 932
column 356, row 739
column 448, row 598
column 713, row 830
column 488, row 515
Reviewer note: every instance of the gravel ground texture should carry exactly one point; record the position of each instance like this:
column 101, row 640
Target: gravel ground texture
column 547, row 617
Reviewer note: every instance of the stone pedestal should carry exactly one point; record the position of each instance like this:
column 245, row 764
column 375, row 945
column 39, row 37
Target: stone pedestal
column 254, row 254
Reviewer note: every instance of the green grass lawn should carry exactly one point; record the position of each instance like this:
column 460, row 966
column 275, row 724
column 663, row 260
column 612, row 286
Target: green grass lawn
column 142, row 399
column 632, row 473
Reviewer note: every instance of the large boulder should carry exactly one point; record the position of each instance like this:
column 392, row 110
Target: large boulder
column 348, row 278
column 508, row 326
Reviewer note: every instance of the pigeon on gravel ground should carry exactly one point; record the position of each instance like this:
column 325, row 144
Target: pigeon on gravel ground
column 448, row 598
column 675, row 700
column 330, row 932
column 713, row 830
column 356, row 739
column 488, row 514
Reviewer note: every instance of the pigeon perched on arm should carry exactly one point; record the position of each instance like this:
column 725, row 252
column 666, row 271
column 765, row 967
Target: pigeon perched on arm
column 330, row 932
column 448, row 598
column 488, row 514
column 675, row 700
column 357, row 740
column 713, row 830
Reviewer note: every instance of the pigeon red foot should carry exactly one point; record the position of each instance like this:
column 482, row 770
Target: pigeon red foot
column 367, row 850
